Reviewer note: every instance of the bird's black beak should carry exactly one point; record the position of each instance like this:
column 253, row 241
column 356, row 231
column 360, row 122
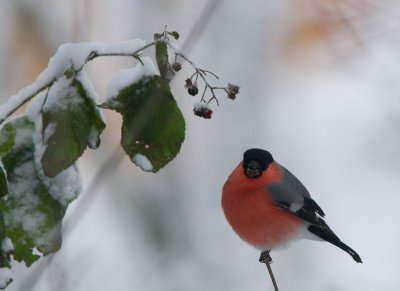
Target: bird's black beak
column 253, row 169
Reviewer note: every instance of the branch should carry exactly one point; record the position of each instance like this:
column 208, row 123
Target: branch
column 17, row 101
column 95, row 54
column 62, row 63
column 266, row 259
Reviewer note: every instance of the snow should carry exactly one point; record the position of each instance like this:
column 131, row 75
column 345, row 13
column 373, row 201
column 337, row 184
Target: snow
column 7, row 245
column 62, row 95
column 200, row 105
column 175, row 47
column 93, row 137
column 76, row 54
column 67, row 185
column 5, row 277
column 127, row 77
column 69, row 55
column 48, row 132
column 21, row 190
column 83, row 78
column 143, row 162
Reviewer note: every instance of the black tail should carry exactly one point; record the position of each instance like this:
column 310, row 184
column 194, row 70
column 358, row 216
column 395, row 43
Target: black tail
column 327, row 234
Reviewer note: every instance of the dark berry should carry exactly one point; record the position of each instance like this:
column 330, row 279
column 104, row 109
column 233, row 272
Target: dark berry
column 208, row 113
column 175, row 34
column 176, row 66
column 193, row 90
column 202, row 110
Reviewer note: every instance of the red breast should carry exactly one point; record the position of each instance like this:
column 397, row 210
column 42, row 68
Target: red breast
column 250, row 211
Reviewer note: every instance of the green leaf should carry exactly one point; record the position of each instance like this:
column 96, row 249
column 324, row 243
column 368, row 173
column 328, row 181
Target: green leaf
column 3, row 183
column 162, row 59
column 32, row 218
column 153, row 126
column 73, row 124
column 98, row 124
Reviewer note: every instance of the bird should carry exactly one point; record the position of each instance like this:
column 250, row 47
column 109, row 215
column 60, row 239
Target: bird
column 268, row 207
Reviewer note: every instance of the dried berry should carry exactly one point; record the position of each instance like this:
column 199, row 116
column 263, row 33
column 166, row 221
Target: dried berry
column 176, row 66
column 232, row 91
column 193, row 90
column 188, row 83
column 175, row 34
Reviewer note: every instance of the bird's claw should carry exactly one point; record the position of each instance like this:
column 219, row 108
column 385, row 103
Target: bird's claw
column 265, row 258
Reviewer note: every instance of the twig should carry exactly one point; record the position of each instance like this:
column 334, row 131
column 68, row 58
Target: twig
column 266, row 259
column 94, row 54
column 17, row 101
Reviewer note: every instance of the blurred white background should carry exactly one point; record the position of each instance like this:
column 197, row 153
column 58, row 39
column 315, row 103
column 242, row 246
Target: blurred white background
column 320, row 88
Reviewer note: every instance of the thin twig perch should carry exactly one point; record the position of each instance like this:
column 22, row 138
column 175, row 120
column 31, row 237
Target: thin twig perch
column 266, row 259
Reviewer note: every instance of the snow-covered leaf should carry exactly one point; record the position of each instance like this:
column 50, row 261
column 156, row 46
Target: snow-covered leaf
column 32, row 218
column 153, row 127
column 71, row 122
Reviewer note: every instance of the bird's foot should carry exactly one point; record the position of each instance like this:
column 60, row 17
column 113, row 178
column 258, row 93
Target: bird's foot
column 265, row 258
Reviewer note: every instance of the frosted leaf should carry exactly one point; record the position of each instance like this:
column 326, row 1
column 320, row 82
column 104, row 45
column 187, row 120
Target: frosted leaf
column 32, row 217
column 62, row 95
column 67, row 185
column 157, row 135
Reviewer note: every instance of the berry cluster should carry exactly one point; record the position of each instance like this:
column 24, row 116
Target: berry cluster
column 191, row 85
column 232, row 91
column 202, row 109
column 199, row 75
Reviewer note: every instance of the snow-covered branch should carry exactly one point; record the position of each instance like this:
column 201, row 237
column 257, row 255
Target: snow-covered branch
column 71, row 57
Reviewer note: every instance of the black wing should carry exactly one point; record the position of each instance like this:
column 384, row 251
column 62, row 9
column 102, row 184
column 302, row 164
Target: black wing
column 291, row 196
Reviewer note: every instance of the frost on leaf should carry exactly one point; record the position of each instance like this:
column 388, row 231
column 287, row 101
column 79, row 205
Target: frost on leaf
column 153, row 126
column 32, row 217
column 71, row 122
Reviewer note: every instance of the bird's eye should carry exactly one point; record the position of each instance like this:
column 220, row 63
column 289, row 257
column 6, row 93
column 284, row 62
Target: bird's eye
column 253, row 169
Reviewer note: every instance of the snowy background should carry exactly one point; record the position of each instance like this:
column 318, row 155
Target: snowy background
column 319, row 89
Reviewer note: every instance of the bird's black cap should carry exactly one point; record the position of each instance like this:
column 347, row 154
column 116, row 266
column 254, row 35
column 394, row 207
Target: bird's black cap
column 262, row 156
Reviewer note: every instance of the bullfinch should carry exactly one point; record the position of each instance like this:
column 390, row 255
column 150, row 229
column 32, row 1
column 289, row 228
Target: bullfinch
column 267, row 206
